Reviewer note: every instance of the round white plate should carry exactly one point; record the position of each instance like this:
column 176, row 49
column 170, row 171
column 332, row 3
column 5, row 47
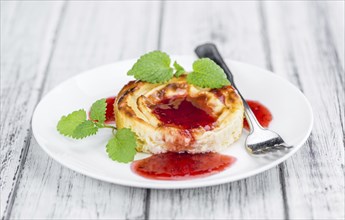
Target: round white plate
column 292, row 118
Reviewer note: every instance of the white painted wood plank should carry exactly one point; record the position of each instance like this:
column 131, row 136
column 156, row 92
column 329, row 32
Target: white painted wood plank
column 313, row 186
column 303, row 51
column 333, row 13
column 188, row 24
column 92, row 34
column 25, row 51
column 8, row 11
column 237, row 29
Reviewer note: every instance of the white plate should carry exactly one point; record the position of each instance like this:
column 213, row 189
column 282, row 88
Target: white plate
column 292, row 118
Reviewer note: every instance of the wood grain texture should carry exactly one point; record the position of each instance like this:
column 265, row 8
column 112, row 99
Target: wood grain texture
column 304, row 52
column 237, row 29
column 91, row 34
column 26, row 51
column 45, row 43
column 333, row 16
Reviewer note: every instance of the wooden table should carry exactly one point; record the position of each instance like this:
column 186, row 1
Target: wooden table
column 46, row 42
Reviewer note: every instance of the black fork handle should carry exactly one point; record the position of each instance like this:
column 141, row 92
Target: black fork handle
column 210, row 50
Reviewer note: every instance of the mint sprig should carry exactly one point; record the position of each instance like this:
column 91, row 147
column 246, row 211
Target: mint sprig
column 67, row 124
column 85, row 129
column 154, row 67
column 98, row 110
column 207, row 74
column 179, row 69
column 76, row 125
column 121, row 147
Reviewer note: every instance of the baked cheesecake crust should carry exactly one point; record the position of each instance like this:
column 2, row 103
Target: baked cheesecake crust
column 134, row 109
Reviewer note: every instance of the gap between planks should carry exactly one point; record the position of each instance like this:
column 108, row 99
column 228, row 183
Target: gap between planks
column 269, row 65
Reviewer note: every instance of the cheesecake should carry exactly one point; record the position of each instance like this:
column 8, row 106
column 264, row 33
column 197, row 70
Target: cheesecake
column 179, row 117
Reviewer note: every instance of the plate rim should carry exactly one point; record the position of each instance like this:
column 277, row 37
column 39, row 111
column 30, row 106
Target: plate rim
column 152, row 185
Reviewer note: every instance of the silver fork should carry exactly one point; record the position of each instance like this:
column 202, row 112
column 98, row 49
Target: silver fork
column 259, row 140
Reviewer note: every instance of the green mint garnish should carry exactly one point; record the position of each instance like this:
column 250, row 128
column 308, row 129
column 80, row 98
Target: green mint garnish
column 153, row 67
column 85, row 129
column 76, row 125
column 179, row 69
column 207, row 74
column 69, row 123
column 122, row 146
column 98, row 110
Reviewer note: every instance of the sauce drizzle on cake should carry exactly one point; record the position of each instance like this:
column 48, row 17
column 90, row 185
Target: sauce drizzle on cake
column 182, row 113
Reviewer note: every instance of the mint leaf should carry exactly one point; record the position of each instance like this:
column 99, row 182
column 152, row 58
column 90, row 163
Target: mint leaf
column 153, row 67
column 68, row 124
column 85, row 129
column 207, row 74
column 98, row 110
column 121, row 148
column 179, row 69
